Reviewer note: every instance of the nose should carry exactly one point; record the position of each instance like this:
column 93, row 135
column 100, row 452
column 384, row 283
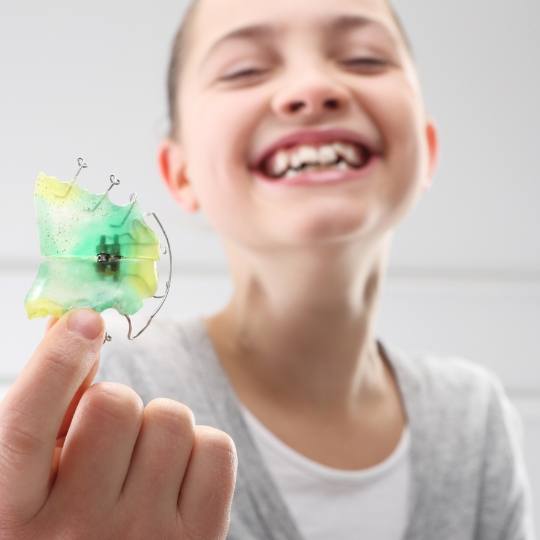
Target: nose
column 312, row 98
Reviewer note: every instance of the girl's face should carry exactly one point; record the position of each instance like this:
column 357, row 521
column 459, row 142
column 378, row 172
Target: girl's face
column 240, row 94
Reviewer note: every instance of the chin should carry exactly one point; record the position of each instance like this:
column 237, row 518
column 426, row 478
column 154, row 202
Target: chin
column 323, row 227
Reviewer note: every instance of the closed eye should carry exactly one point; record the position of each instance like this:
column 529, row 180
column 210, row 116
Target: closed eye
column 242, row 73
column 353, row 61
column 365, row 61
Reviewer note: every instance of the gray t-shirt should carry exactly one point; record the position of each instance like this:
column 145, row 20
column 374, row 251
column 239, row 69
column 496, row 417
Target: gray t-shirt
column 468, row 476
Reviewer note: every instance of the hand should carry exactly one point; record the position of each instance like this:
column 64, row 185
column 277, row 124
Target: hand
column 91, row 462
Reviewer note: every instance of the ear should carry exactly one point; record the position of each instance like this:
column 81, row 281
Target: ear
column 432, row 140
column 172, row 166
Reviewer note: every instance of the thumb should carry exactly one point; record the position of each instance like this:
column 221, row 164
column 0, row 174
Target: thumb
column 35, row 406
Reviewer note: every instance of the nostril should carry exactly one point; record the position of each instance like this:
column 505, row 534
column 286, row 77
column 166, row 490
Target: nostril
column 331, row 103
column 295, row 106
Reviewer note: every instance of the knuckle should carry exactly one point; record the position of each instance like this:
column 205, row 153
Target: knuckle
column 171, row 415
column 113, row 402
column 217, row 444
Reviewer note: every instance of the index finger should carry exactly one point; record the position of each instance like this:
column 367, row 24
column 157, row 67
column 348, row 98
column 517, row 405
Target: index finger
column 34, row 407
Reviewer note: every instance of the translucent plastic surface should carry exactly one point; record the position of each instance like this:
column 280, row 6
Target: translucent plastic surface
column 96, row 254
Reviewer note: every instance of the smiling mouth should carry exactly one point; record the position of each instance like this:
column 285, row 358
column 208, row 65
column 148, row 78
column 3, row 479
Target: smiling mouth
column 317, row 173
column 340, row 165
column 290, row 162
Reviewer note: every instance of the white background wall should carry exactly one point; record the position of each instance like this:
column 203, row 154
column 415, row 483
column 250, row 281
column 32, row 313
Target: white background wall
column 81, row 78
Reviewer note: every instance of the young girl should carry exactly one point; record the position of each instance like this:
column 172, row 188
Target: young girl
column 299, row 129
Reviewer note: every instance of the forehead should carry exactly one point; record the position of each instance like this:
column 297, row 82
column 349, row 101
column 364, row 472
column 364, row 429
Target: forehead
column 216, row 18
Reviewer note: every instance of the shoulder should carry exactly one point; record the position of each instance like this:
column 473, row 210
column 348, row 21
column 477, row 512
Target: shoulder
column 451, row 383
column 472, row 433
column 472, row 390
column 459, row 404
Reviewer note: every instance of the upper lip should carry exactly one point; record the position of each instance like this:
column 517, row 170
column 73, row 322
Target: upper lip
column 308, row 136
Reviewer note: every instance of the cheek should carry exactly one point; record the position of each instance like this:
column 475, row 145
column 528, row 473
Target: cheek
column 221, row 193
column 219, row 128
column 222, row 129
column 399, row 113
column 397, row 109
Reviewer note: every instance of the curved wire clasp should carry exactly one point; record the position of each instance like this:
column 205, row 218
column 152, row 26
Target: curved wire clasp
column 162, row 297
column 81, row 164
column 113, row 182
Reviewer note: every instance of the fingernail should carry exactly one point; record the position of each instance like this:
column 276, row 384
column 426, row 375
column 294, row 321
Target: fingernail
column 85, row 322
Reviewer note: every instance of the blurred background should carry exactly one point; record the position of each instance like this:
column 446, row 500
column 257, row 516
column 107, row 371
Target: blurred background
column 88, row 79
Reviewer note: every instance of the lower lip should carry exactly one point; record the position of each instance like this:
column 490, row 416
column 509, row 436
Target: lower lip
column 322, row 178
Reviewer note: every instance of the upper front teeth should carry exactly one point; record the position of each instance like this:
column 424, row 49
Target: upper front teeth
column 325, row 155
column 341, row 166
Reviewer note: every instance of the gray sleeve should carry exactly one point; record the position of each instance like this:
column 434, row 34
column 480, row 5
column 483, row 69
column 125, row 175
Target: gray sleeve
column 121, row 363
column 156, row 365
column 506, row 511
column 132, row 363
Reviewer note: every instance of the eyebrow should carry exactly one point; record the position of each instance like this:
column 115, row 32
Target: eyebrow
column 262, row 32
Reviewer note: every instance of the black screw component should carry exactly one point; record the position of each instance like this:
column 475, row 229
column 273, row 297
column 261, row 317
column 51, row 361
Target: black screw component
column 108, row 257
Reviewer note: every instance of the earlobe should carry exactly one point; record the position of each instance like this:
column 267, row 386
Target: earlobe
column 433, row 151
column 172, row 166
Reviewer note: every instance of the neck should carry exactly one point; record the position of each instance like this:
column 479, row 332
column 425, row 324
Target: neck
column 298, row 329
